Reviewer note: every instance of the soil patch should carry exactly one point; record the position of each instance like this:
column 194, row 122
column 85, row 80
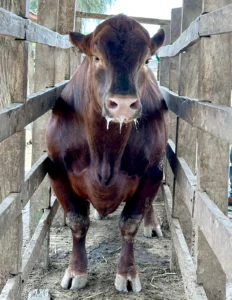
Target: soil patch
column 103, row 247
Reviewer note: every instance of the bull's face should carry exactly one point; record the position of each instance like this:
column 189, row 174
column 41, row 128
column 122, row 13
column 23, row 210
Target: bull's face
column 118, row 52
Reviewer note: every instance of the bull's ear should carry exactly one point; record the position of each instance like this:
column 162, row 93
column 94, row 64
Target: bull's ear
column 81, row 41
column 157, row 40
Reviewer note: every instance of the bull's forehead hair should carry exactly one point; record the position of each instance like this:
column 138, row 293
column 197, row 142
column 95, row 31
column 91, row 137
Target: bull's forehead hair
column 121, row 36
column 122, row 24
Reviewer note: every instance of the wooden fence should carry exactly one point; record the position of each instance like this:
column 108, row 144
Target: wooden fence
column 197, row 64
column 195, row 77
column 55, row 61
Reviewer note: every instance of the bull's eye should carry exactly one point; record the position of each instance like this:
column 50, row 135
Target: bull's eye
column 96, row 58
column 147, row 61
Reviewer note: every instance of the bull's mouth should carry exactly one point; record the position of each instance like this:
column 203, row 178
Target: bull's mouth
column 121, row 120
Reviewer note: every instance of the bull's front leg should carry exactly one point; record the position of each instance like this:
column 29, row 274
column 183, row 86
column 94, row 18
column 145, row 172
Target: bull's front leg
column 77, row 214
column 75, row 276
column 130, row 219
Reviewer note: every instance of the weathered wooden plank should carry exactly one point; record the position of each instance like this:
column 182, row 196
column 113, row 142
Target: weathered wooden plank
column 174, row 61
column 184, row 176
column 13, row 88
column 217, row 229
column 16, row 116
column 10, row 209
column 216, row 22
column 153, row 21
column 20, row 28
column 65, row 24
column 212, row 153
column 39, row 294
column 193, row 291
column 11, row 291
column 13, row 204
column 48, row 12
column 11, row 120
column 189, row 37
column 165, row 62
column 39, row 103
column 11, row 24
column 40, row 34
column 201, row 114
column 32, row 252
column 62, row 41
column 34, row 178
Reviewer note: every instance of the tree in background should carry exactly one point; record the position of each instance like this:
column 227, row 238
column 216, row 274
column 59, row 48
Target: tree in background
column 33, row 5
column 96, row 6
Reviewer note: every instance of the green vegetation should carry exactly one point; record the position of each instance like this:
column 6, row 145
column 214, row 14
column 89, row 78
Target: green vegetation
column 94, row 6
column 33, row 5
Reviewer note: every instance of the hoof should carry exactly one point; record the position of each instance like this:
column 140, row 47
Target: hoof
column 121, row 283
column 150, row 232
column 74, row 282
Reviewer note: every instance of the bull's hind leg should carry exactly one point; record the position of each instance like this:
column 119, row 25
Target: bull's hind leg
column 151, row 224
column 77, row 212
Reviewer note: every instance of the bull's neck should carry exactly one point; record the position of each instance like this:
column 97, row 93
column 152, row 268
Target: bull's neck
column 106, row 144
column 106, row 138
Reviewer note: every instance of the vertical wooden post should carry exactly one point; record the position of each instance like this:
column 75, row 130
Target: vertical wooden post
column 44, row 77
column 186, row 135
column 75, row 55
column 52, row 66
column 173, row 82
column 13, row 88
column 164, row 64
column 173, row 85
column 66, row 23
column 212, row 154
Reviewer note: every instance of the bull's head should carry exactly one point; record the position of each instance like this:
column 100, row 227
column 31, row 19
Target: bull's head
column 118, row 52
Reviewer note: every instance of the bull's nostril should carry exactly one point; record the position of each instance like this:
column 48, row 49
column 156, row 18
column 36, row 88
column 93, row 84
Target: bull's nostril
column 134, row 105
column 112, row 104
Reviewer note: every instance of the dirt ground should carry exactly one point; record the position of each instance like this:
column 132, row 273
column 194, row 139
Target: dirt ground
column 103, row 246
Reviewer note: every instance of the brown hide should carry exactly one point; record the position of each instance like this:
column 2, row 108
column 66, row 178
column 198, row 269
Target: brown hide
column 104, row 165
column 106, row 140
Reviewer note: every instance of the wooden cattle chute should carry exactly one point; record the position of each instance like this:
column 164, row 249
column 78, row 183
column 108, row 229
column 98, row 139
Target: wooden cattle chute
column 195, row 77
column 196, row 204
column 55, row 62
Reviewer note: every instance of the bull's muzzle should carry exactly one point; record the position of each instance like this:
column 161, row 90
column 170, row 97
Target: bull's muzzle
column 122, row 109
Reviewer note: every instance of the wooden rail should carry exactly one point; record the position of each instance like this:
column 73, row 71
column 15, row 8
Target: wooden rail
column 23, row 29
column 195, row 125
column 12, row 205
column 216, row 22
column 15, row 117
column 197, row 165
column 210, row 218
column 85, row 15
column 201, row 114
column 55, row 61
column 14, row 286
column 187, row 267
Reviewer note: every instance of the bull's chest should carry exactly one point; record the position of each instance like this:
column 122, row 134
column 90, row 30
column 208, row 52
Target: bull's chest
column 104, row 179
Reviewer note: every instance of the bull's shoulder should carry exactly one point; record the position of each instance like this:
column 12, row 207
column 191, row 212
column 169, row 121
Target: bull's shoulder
column 65, row 130
column 147, row 144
